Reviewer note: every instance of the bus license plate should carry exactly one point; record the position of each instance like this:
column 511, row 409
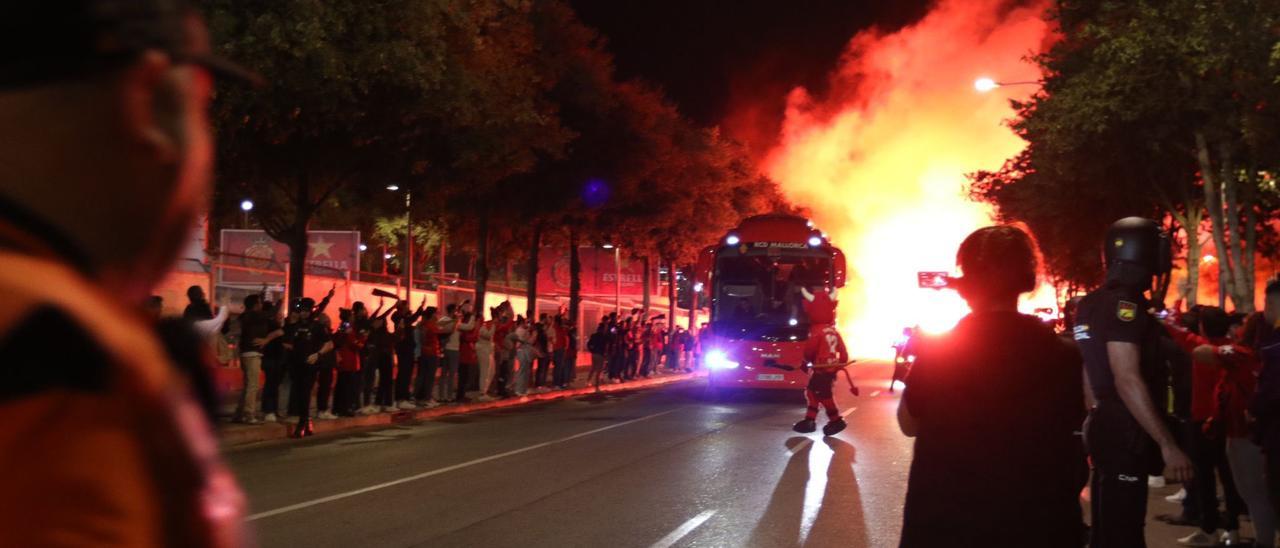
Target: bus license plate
column 768, row 377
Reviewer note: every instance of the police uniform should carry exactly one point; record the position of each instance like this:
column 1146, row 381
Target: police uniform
column 306, row 337
column 1122, row 451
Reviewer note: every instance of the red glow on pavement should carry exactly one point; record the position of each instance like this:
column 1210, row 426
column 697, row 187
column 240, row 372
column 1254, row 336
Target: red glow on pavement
column 881, row 159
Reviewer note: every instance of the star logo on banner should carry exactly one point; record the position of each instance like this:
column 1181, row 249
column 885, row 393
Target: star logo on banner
column 320, row 248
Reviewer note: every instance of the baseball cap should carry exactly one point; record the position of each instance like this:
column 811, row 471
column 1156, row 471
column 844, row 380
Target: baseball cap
column 48, row 41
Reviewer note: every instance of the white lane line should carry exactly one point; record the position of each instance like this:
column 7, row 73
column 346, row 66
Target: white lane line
column 799, row 446
column 848, row 412
column 438, row 471
column 681, row 531
column 875, row 393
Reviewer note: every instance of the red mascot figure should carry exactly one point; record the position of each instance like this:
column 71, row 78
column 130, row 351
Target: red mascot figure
column 825, row 354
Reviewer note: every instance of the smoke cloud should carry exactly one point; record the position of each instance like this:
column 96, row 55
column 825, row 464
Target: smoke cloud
column 881, row 159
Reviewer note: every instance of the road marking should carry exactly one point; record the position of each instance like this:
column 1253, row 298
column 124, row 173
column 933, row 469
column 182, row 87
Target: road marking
column 438, row 471
column 849, row 412
column 799, row 446
column 683, row 530
column 875, row 393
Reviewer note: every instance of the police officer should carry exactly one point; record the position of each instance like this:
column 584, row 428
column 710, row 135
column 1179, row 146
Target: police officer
column 1120, row 340
column 306, row 340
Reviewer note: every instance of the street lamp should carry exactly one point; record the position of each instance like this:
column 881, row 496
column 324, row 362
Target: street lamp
column 408, row 240
column 985, row 84
column 246, row 206
column 617, row 277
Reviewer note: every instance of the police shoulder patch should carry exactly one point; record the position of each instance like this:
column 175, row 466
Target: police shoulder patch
column 1126, row 311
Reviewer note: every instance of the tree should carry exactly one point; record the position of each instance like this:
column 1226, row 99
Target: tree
column 1146, row 110
column 369, row 92
column 427, row 235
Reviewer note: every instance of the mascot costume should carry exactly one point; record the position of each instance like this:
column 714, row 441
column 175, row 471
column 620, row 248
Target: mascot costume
column 825, row 354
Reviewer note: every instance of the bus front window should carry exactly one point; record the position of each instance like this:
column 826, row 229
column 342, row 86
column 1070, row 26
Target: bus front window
column 761, row 294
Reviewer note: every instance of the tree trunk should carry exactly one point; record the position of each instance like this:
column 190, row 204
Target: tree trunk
column 1191, row 225
column 646, row 300
column 296, row 240
column 671, row 297
column 1213, row 203
column 1250, row 239
column 531, row 293
column 297, row 236
column 482, row 259
column 575, row 278
column 1230, row 192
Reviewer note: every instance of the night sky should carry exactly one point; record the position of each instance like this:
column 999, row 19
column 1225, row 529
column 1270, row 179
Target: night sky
column 720, row 59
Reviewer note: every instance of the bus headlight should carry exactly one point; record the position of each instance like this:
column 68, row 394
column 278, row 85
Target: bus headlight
column 717, row 359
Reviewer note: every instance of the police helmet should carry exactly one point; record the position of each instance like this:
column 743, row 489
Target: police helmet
column 1139, row 242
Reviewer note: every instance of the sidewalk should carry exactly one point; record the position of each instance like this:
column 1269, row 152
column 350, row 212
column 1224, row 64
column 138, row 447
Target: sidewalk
column 1160, row 534
column 234, row 434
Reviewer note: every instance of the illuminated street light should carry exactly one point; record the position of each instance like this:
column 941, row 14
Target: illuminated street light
column 408, row 238
column 246, row 206
column 617, row 275
column 364, row 247
column 985, row 84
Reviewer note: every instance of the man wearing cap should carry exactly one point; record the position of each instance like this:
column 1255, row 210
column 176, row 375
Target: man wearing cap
column 105, row 160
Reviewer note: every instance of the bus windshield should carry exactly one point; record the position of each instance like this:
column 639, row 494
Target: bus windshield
column 758, row 296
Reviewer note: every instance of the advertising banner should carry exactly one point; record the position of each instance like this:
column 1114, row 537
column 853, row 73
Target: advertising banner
column 329, row 253
column 599, row 273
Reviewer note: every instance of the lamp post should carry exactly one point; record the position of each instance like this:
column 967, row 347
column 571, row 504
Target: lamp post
column 408, row 239
column 985, row 84
column 617, row 278
column 246, row 206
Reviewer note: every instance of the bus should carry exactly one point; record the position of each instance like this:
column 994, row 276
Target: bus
column 757, row 330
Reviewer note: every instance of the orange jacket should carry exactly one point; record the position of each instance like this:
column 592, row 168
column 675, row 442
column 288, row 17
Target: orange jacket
column 102, row 442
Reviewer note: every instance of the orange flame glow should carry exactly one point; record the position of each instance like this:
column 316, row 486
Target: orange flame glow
column 881, row 159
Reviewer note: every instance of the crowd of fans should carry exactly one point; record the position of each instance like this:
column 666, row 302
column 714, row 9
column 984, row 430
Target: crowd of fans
column 394, row 358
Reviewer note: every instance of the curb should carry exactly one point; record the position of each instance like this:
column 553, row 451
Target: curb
column 233, row 435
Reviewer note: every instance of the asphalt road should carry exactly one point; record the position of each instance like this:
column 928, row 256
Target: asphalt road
column 657, row 467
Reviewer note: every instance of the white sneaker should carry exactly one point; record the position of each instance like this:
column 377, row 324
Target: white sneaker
column 1198, row 538
column 368, row 410
column 1177, row 497
column 270, row 417
column 407, row 405
column 1156, row 482
column 485, row 398
column 326, row 416
column 431, row 404
column 1230, row 538
column 388, row 409
column 252, row 420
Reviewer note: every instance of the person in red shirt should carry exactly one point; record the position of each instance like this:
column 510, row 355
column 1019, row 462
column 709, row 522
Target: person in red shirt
column 1206, row 432
column 563, row 359
column 505, row 349
column 825, row 353
column 428, row 357
column 1237, row 387
column 349, row 345
column 468, row 358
